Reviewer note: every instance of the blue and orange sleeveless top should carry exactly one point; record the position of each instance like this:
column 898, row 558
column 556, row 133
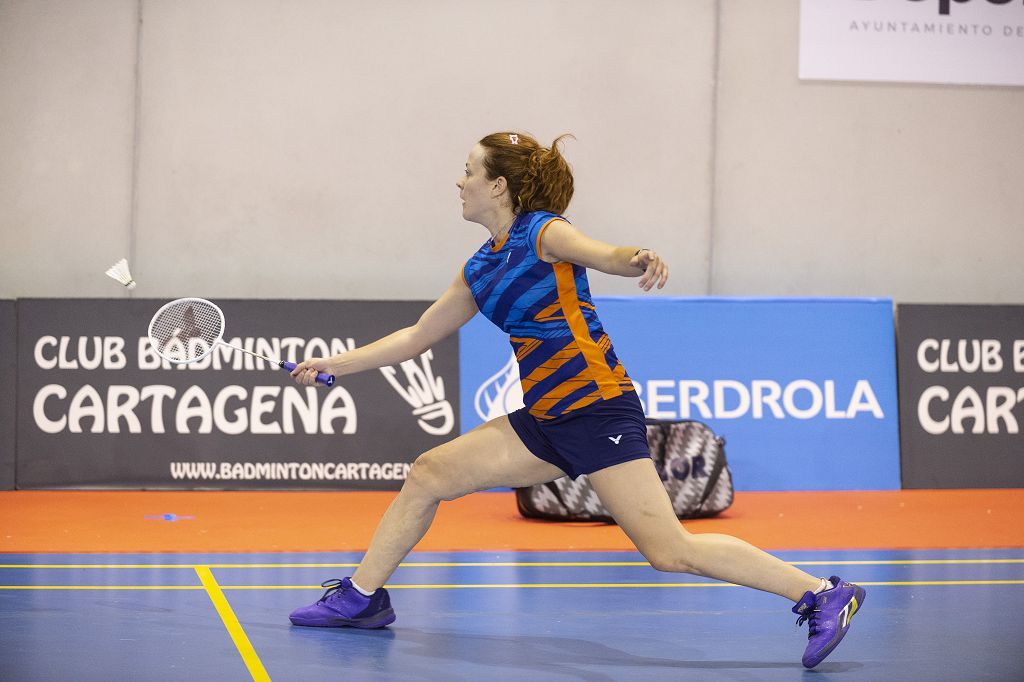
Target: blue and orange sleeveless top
column 566, row 360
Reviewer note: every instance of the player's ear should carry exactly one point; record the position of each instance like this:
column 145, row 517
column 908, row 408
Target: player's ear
column 499, row 186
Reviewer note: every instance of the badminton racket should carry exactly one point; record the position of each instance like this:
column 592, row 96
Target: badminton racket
column 186, row 330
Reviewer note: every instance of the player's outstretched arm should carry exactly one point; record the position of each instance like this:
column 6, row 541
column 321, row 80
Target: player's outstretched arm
column 452, row 310
column 560, row 241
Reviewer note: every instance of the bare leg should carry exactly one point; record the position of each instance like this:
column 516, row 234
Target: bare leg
column 635, row 496
column 489, row 456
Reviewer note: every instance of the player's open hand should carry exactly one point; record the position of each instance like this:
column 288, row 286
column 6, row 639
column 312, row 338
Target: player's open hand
column 655, row 269
column 306, row 371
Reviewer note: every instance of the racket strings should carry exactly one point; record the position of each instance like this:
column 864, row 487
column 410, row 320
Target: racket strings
column 187, row 330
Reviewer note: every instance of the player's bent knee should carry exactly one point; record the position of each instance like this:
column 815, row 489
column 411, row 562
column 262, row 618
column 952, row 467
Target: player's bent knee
column 670, row 564
column 428, row 476
column 677, row 559
column 423, row 475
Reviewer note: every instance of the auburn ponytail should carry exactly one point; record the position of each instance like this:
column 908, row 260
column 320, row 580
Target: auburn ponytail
column 539, row 178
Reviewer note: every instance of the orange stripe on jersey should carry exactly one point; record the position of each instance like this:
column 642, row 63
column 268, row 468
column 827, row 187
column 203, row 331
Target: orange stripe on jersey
column 525, row 346
column 566, row 387
column 625, row 383
column 596, row 363
column 497, row 247
column 619, row 371
column 554, row 312
column 540, row 233
column 544, row 404
column 555, row 395
column 551, row 365
column 583, row 402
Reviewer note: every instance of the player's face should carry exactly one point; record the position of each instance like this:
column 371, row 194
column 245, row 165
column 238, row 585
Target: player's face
column 475, row 190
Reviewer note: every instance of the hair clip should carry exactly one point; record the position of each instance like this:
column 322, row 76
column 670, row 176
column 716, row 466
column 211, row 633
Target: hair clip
column 514, row 139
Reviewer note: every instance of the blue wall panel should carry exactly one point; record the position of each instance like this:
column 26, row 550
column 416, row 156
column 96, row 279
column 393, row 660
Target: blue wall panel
column 803, row 390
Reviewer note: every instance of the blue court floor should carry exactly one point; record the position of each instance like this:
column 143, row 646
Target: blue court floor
column 929, row 615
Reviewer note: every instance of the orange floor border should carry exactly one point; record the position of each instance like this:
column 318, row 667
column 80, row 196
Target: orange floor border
column 207, row 521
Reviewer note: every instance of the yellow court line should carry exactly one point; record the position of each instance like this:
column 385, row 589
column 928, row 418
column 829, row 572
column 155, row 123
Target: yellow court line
column 896, row 583
column 227, row 616
column 527, row 564
column 909, row 562
column 101, row 587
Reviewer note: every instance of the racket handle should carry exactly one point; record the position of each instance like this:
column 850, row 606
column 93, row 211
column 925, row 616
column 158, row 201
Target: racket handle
column 321, row 378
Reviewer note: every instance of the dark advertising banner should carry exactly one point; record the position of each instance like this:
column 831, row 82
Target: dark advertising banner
column 961, row 378
column 8, row 372
column 98, row 408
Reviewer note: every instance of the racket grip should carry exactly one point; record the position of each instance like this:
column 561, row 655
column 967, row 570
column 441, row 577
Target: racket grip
column 321, row 378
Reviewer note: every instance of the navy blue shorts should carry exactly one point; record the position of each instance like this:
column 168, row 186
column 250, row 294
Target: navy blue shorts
column 595, row 437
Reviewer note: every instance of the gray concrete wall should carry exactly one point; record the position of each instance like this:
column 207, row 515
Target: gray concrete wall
column 848, row 189
column 249, row 148
column 66, row 131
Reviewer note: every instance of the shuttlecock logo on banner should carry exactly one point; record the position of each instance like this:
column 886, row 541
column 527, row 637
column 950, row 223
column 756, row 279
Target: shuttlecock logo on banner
column 501, row 393
column 425, row 394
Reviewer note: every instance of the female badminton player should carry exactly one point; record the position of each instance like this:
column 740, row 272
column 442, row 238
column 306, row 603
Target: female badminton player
column 581, row 414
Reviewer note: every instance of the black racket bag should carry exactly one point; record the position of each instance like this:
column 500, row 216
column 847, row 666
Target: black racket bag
column 690, row 460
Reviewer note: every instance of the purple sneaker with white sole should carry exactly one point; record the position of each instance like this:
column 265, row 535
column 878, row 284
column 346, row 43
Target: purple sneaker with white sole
column 343, row 606
column 828, row 614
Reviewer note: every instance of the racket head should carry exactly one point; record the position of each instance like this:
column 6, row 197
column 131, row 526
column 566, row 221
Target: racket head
column 186, row 329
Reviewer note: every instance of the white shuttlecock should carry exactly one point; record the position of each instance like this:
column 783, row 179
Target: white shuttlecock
column 119, row 272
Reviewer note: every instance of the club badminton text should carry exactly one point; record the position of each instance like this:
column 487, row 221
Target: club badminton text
column 961, row 409
column 232, row 409
column 109, row 352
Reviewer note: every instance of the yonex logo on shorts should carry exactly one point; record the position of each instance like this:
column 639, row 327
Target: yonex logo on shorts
column 615, row 439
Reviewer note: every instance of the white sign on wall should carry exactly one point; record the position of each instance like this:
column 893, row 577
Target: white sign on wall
column 925, row 41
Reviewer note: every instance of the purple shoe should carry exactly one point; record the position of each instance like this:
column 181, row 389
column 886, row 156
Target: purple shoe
column 343, row 606
column 828, row 614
